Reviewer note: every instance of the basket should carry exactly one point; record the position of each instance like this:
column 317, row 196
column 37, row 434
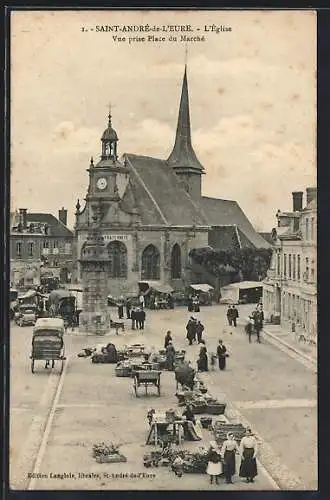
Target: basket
column 123, row 372
column 170, row 416
column 216, row 409
column 206, row 422
column 198, row 409
column 111, row 459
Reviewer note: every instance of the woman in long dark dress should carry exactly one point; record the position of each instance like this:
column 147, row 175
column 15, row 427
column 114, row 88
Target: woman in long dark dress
column 248, row 450
column 222, row 354
column 228, row 451
column 112, row 353
column 202, row 362
column 128, row 309
column 120, row 306
column 168, row 338
column 170, row 356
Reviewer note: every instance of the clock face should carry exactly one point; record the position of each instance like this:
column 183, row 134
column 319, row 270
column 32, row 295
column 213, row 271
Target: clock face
column 101, row 183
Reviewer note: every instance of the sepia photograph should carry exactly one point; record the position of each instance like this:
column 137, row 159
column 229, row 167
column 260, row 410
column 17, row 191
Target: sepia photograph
column 163, row 250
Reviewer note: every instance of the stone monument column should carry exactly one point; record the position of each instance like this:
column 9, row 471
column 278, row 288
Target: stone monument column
column 94, row 318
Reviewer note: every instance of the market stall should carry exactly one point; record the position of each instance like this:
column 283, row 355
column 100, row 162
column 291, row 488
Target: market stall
column 203, row 291
column 244, row 292
column 157, row 295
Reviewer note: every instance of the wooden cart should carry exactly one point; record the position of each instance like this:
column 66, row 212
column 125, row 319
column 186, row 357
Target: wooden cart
column 47, row 342
column 146, row 378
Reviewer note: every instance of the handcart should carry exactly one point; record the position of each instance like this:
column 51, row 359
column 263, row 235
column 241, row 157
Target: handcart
column 146, row 378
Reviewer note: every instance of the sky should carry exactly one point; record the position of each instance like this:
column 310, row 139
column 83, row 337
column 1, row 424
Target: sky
column 252, row 102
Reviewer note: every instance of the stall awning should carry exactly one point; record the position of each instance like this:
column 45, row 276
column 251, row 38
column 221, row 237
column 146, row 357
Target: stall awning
column 243, row 285
column 163, row 288
column 204, row 287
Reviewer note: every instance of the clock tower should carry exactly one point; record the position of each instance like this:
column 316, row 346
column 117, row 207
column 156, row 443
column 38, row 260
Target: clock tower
column 104, row 176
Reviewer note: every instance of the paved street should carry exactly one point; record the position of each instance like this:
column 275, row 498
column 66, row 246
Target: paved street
column 262, row 386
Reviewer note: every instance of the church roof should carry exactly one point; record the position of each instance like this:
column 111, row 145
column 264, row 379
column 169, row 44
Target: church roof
column 268, row 237
column 224, row 238
column 227, row 212
column 228, row 238
column 183, row 156
column 160, row 198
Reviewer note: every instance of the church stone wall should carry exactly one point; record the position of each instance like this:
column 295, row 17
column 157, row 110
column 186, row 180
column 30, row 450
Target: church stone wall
column 136, row 241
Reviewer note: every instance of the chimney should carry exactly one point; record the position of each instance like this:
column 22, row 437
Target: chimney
column 23, row 217
column 63, row 216
column 311, row 194
column 297, row 198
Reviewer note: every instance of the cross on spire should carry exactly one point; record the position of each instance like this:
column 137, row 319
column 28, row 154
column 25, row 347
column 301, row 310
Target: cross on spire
column 110, row 106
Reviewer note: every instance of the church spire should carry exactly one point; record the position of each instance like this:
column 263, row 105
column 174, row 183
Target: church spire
column 183, row 157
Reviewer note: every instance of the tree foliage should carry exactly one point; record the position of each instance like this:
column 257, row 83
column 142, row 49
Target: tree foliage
column 242, row 264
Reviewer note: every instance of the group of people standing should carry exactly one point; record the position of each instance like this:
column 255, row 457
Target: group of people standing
column 255, row 323
column 222, row 355
column 194, row 330
column 227, row 457
column 232, row 315
column 136, row 314
column 138, row 317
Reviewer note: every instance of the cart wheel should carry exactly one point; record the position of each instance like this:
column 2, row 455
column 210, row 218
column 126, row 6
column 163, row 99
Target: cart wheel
column 32, row 365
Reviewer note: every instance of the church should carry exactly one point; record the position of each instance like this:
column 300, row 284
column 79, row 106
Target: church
column 151, row 212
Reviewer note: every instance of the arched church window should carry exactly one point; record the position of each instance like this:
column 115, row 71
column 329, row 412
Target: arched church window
column 176, row 262
column 117, row 254
column 150, row 263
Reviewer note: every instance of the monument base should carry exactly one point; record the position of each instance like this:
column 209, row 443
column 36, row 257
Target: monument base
column 94, row 323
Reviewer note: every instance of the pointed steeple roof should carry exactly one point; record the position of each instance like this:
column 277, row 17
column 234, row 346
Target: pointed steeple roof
column 183, row 156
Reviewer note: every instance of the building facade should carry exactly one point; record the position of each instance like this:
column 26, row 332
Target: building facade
column 40, row 243
column 152, row 211
column 290, row 289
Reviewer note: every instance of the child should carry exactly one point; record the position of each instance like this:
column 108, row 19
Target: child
column 177, row 466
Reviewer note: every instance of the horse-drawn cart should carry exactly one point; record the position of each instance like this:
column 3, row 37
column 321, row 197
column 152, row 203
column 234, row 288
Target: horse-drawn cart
column 146, row 378
column 47, row 342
